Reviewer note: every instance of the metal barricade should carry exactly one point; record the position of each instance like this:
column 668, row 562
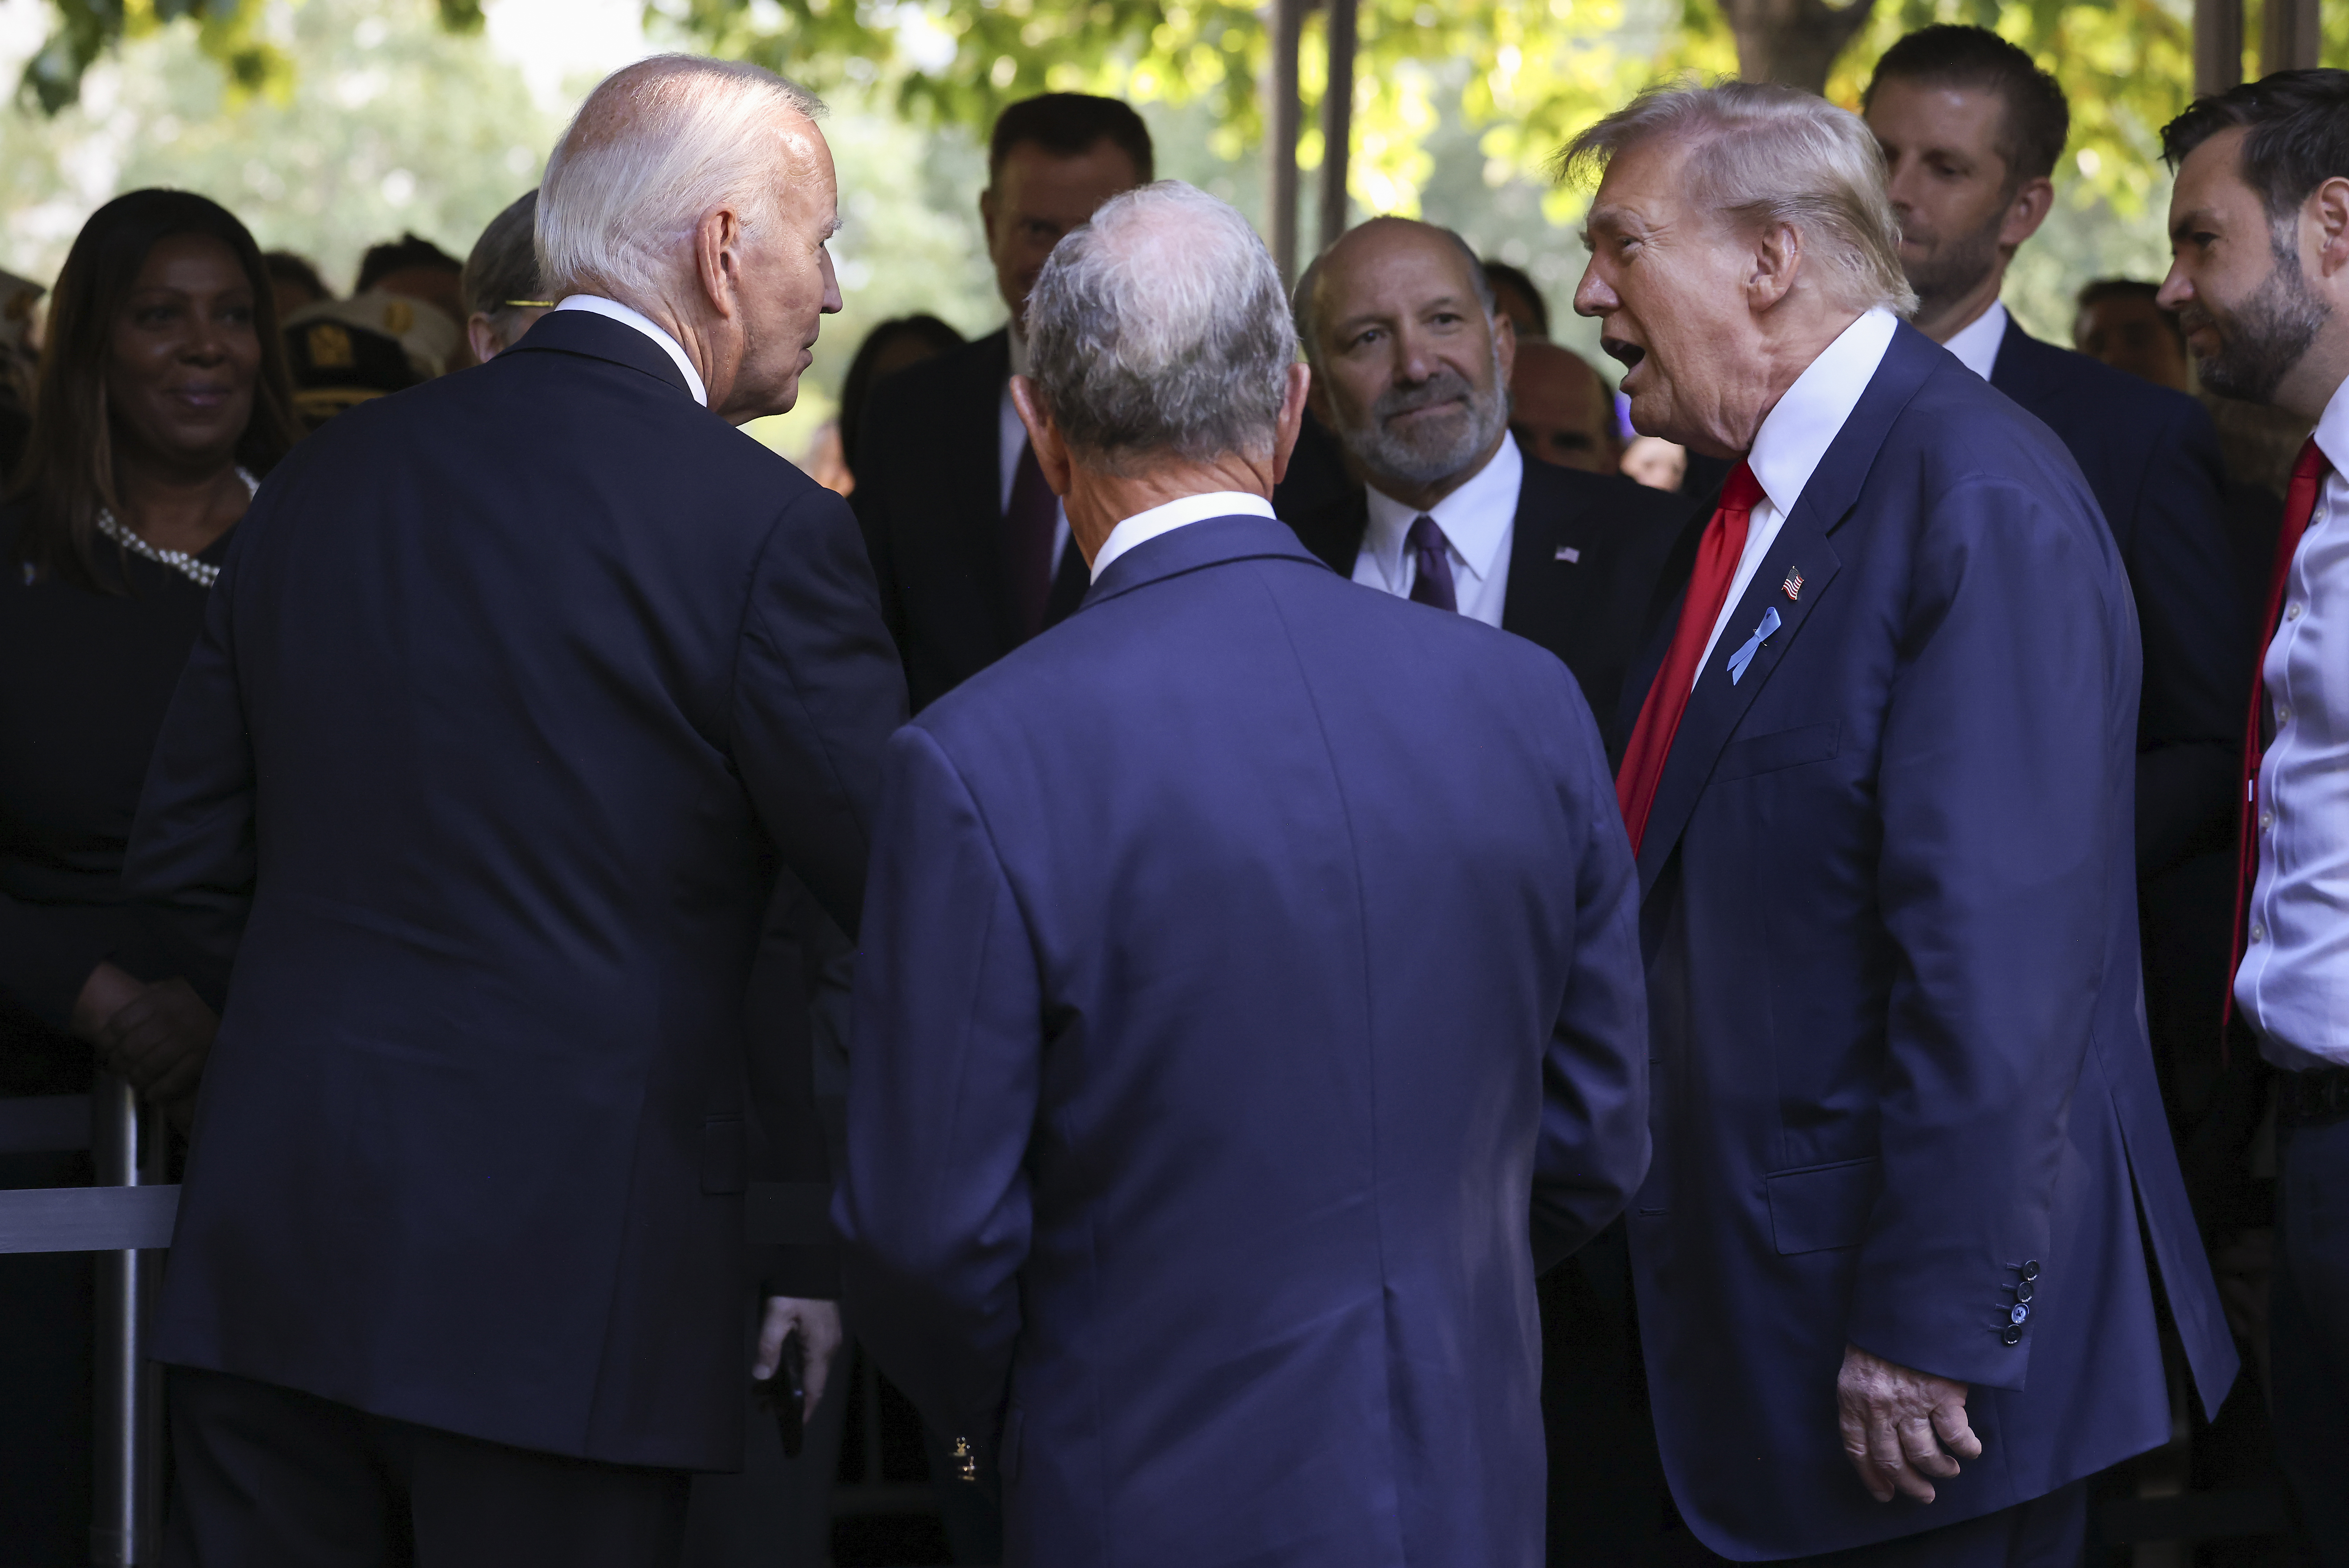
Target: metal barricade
column 127, row 1217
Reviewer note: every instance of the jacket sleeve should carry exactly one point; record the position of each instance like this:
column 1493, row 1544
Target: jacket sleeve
column 1593, row 1151
column 2196, row 683
column 817, row 691
column 933, row 1205
column 2005, row 778
column 191, row 856
column 47, row 952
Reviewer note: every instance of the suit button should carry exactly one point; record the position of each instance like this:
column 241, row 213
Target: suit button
column 2031, row 1270
column 2023, row 1292
column 2017, row 1312
column 2011, row 1335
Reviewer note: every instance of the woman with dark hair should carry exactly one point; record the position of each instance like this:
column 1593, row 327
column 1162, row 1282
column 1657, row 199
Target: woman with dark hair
column 162, row 400
column 889, row 347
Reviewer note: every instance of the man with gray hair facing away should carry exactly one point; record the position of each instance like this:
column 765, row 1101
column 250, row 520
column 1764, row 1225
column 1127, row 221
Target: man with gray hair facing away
column 481, row 775
column 1892, row 1296
column 1249, row 972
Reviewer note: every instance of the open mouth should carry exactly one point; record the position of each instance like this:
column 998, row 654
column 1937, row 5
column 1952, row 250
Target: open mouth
column 1628, row 354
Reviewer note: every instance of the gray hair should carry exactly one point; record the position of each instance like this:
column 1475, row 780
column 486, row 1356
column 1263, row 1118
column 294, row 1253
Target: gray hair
column 1161, row 326
column 658, row 145
column 1765, row 154
column 1305, row 306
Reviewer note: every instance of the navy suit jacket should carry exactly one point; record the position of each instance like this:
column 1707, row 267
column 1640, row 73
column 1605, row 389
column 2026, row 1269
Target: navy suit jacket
column 1891, row 931
column 513, row 688
column 2151, row 459
column 1242, row 955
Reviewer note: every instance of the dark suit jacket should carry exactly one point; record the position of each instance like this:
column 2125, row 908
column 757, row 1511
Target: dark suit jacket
column 2151, row 458
column 929, row 496
column 1241, row 955
column 1583, row 563
column 510, row 682
column 1891, row 939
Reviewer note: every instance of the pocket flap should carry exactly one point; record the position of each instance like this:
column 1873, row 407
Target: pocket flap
column 1823, row 1207
column 1779, row 749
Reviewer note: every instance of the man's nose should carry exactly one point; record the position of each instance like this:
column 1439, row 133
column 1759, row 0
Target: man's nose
column 2174, row 289
column 1592, row 296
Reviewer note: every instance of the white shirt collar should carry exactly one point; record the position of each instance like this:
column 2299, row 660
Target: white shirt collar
column 1018, row 349
column 2333, row 430
column 1144, row 527
column 1976, row 345
column 1796, row 434
column 597, row 304
column 1476, row 518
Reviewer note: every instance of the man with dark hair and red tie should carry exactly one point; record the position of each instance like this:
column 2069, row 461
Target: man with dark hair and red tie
column 2258, row 228
column 1890, row 1257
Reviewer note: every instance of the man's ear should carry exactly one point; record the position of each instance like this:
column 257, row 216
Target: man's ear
column 1505, row 341
column 987, row 215
column 2027, row 211
column 1051, row 451
column 1777, row 258
column 1292, row 419
column 718, row 259
column 2328, row 213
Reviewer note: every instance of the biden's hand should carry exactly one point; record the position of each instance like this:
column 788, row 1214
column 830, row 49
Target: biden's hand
column 1901, row 1429
column 820, row 1336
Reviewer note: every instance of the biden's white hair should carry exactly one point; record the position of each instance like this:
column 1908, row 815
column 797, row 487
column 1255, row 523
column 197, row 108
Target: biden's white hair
column 1762, row 154
column 1161, row 328
column 658, row 146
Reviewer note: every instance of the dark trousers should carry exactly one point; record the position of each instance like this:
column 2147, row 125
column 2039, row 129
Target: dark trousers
column 266, row 1475
column 2309, row 1330
column 2050, row 1531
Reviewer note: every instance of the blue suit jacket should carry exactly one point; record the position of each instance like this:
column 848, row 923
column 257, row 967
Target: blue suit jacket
column 1240, row 956
column 512, row 689
column 1891, row 931
column 2151, row 459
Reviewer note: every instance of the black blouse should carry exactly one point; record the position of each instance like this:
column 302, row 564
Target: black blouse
column 84, row 679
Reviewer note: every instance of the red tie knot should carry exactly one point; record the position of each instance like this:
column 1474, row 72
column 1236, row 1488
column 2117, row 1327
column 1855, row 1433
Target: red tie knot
column 1741, row 489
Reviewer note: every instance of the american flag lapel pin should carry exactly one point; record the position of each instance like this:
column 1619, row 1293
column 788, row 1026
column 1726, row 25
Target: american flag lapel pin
column 1568, row 554
column 1793, row 584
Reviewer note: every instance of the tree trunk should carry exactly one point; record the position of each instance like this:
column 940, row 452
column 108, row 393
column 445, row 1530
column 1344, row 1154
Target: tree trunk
column 1791, row 41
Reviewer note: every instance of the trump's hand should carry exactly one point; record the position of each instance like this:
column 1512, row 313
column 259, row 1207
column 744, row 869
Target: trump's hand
column 1901, row 1427
column 820, row 1338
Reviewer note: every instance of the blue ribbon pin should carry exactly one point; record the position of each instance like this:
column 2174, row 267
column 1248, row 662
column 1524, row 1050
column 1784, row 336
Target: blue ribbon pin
column 1745, row 655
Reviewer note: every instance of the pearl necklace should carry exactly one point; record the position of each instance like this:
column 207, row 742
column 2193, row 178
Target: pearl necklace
column 202, row 573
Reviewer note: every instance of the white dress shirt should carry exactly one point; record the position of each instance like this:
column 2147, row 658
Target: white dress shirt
column 1010, row 435
column 1145, row 526
column 1794, row 437
column 2294, row 982
column 598, row 304
column 1977, row 346
column 1479, row 522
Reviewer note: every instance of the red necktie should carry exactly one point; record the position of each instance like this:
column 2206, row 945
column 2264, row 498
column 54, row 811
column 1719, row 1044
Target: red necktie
column 2299, row 506
column 1717, row 556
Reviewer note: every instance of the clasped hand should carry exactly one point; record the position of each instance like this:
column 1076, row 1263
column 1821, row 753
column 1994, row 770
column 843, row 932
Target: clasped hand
column 1902, row 1429
column 157, row 1036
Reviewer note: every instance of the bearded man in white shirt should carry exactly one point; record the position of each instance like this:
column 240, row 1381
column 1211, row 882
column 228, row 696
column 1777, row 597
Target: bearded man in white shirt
column 1879, row 793
column 2260, row 233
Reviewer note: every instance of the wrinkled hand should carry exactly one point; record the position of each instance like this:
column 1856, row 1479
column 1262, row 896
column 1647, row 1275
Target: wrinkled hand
column 103, row 995
column 158, row 1040
column 820, row 1336
column 1900, row 1427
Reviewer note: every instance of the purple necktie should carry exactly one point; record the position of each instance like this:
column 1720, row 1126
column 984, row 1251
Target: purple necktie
column 1433, row 584
column 1030, row 525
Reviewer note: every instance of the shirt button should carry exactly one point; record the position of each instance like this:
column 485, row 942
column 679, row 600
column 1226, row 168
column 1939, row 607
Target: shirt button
column 2267, row 819
column 2258, row 933
column 2283, row 714
column 2292, row 612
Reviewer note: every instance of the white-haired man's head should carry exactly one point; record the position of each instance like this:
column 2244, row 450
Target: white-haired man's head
column 700, row 192
column 1162, row 360
column 1736, row 231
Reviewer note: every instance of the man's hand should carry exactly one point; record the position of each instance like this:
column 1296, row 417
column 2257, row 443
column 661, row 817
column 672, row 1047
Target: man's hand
column 1891, row 1419
column 820, row 1336
column 158, row 1040
column 103, row 994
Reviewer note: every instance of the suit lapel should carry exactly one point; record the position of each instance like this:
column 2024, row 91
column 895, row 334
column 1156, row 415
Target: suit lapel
column 1548, row 543
column 1718, row 704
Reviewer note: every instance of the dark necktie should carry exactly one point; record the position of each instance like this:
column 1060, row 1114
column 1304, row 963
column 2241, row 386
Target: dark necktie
column 1029, row 524
column 2299, row 506
column 1717, row 554
column 1433, row 585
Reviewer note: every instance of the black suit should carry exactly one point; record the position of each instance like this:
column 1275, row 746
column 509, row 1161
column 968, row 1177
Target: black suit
column 511, row 684
column 929, row 496
column 1583, row 560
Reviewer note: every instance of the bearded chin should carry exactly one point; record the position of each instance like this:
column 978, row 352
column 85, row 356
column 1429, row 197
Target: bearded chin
column 2263, row 338
column 1953, row 268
